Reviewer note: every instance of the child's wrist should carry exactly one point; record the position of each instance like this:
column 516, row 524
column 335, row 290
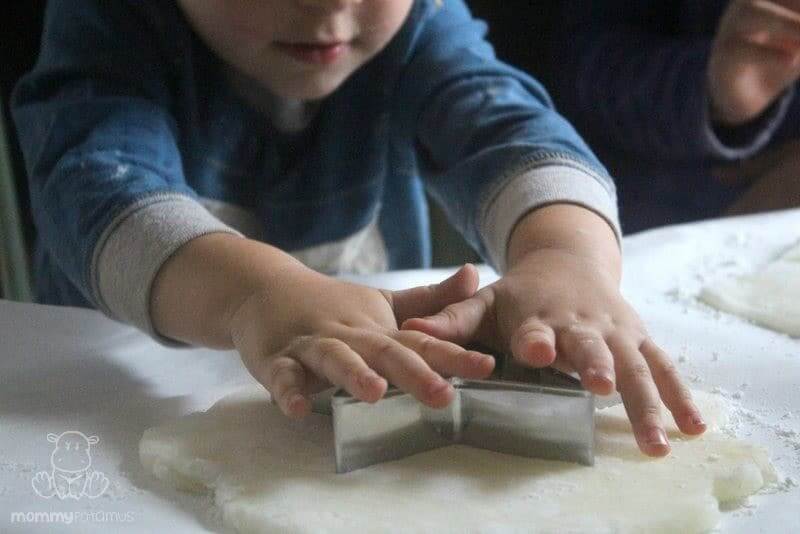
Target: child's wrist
column 268, row 287
column 566, row 228
column 197, row 290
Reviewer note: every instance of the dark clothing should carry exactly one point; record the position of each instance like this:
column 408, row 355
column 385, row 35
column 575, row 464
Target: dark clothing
column 632, row 77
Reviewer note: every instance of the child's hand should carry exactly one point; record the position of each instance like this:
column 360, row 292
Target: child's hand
column 755, row 57
column 556, row 307
column 324, row 331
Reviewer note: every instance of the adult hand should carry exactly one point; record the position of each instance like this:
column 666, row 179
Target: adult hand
column 755, row 57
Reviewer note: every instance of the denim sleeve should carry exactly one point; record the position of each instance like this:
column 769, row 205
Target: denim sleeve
column 490, row 144
column 100, row 143
column 631, row 79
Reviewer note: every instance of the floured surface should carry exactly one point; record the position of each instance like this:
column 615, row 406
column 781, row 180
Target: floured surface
column 72, row 369
column 271, row 474
column 769, row 297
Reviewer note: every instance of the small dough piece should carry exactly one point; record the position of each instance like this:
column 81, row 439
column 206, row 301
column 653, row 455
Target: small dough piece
column 770, row 297
column 272, row 474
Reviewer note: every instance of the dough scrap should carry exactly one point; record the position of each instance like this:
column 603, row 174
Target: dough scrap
column 769, row 297
column 272, row 474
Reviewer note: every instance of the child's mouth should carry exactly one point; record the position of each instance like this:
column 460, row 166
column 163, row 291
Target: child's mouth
column 314, row 53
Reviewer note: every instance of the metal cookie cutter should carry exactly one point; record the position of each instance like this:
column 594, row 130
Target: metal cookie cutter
column 538, row 413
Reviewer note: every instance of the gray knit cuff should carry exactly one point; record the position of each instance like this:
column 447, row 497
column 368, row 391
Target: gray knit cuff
column 132, row 249
column 545, row 184
column 745, row 141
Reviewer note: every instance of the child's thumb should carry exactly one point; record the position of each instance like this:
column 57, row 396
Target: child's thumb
column 423, row 301
column 458, row 323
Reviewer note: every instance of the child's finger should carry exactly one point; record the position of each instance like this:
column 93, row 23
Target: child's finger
column 675, row 394
column 534, row 343
column 447, row 358
column 586, row 350
column 402, row 367
column 333, row 360
column 640, row 396
column 457, row 322
column 427, row 300
column 284, row 378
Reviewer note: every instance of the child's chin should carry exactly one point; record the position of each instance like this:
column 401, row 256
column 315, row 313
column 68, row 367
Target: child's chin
column 310, row 88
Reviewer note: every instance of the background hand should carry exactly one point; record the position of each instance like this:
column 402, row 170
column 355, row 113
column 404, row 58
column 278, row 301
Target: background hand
column 754, row 58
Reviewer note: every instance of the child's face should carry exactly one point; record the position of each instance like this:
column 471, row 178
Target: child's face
column 301, row 49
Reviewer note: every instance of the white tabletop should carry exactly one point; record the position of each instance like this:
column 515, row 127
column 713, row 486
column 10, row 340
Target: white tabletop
column 67, row 369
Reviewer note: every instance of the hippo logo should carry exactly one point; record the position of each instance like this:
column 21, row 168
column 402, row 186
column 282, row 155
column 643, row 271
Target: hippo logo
column 72, row 476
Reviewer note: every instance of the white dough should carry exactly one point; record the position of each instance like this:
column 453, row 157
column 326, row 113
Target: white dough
column 272, row 474
column 770, row 297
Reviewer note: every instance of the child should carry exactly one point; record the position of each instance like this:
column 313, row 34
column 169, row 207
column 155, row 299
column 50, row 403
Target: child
column 688, row 88
column 176, row 151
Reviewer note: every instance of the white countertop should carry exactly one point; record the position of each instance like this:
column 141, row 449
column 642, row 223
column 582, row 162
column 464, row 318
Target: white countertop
column 71, row 369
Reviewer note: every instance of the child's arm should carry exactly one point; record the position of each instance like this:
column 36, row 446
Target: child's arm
column 528, row 193
column 299, row 331
column 559, row 304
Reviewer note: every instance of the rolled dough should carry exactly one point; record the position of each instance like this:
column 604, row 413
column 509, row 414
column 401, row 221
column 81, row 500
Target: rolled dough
column 272, row 474
column 770, row 297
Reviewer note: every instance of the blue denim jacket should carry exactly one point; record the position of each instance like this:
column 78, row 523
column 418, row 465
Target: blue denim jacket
column 126, row 105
